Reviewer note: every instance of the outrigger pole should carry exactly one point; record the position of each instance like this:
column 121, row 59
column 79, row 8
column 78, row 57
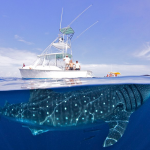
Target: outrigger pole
column 61, row 18
column 80, row 15
column 85, row 30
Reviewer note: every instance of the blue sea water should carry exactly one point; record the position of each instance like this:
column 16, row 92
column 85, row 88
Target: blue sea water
column 15, row 137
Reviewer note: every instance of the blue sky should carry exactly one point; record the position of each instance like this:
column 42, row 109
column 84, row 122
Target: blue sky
column 120, row 39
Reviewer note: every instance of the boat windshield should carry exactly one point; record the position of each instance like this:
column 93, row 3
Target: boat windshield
column 55, row 59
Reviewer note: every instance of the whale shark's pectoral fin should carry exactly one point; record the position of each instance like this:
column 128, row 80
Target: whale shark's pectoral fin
column 35, row 130
column 117, row 122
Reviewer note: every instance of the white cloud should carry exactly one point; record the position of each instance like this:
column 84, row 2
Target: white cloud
column 101, row 70
column 18, row 38
column 145, row 53
column 12, row 59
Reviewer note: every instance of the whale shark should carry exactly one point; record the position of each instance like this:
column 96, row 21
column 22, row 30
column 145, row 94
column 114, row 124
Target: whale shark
column 82, row 106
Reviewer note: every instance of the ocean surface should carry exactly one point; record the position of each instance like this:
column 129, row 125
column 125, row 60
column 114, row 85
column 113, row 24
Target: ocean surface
column 13, row 136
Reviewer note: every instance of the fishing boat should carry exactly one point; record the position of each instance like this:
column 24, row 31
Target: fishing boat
column 50, row 64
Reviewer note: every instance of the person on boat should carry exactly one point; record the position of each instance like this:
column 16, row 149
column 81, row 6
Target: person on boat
column 60, row 39
column 77, row 66
column 67, row 61
column 71, row 64
column 23, row 65
column 110, row 75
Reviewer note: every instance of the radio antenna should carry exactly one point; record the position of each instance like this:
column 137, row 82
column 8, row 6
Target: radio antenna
column 80, row 15
column 61, row 18
column 86, row 30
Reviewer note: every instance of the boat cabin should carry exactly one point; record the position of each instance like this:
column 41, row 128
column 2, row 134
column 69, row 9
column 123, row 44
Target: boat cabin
column 53, row 61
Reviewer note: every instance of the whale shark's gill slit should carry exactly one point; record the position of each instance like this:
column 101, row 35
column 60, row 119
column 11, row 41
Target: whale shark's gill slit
column 138, row 96
column 141, row 98
column 135, row 93
column 133, row 97
column 128, row 96
column 125, row 100
column 121, row 98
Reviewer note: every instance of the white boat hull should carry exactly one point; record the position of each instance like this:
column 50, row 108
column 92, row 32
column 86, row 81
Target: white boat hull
column 34, row 73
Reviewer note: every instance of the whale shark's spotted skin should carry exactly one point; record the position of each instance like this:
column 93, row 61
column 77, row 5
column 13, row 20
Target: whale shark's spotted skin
column 49, row 109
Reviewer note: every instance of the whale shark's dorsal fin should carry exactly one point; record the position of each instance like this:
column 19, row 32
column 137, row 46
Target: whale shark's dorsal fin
column 117, row 122
column 35, row 130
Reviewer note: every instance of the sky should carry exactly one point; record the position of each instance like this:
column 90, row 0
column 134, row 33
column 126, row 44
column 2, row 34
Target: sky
column 120, row 41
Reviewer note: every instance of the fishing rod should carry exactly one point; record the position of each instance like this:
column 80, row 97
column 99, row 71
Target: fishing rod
column 85, row 30
column 80, row 15
column 76, row 17
column 61, row 18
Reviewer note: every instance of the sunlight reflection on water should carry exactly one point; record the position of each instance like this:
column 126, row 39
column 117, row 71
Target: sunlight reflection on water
column 20, row 84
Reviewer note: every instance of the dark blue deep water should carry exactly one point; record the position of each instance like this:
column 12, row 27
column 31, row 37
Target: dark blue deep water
column 15, row 137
